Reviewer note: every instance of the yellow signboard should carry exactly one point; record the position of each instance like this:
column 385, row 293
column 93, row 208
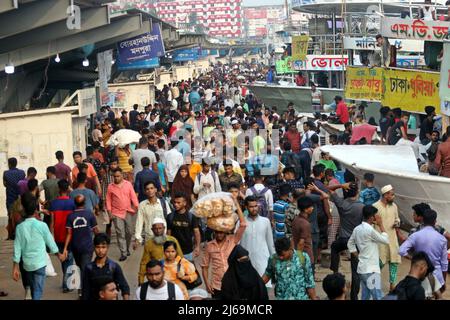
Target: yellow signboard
column 364, row 83
column 396, row 88
column 299, row 47
column 411, row 90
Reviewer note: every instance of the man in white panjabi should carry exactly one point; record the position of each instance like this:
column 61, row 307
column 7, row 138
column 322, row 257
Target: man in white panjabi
column 388, row 211
column 258, row 237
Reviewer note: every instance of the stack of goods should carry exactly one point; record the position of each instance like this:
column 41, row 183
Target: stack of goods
column 218, row 208
column 279, row 217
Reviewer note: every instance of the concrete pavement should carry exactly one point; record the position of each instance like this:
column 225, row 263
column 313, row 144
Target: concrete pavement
column 53, row 290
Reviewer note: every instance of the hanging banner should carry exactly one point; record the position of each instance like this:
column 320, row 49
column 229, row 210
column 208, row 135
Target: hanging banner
column 411, row 90
column 444, row 88
column 104, row 62
column 364, row 84
column 284, row 66
column 191, row 54
column 299, row 47
column 414, row 29
column 143, row 47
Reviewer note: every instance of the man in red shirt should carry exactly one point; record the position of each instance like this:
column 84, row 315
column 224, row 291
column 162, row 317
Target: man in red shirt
column 60, row 209
column 341, row 110
column 293, row 136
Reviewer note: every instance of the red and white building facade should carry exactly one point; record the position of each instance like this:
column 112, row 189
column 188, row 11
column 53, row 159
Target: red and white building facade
column 219, row 18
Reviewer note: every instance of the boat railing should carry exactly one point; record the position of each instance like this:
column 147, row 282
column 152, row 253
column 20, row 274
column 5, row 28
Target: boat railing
column 325, row 44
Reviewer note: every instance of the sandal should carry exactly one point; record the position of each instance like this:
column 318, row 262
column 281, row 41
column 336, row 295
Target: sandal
column 3, row 294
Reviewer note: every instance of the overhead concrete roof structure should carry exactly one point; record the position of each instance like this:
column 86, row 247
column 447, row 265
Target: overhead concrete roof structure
column 33, row 32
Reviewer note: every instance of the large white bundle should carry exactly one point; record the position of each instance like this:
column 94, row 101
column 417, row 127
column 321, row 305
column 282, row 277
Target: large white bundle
column 214, row 205
column 123, row 137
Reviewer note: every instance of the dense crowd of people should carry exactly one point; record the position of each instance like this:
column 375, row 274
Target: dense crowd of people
column 210, row 135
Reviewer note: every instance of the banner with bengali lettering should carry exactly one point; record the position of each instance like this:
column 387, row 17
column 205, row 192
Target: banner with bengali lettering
column 299, row 47
column 444, row 88
column 143, row 47
column 284, row 66
column 411, row 90
column 399, row 28
column 364, row 83
column 321, row 63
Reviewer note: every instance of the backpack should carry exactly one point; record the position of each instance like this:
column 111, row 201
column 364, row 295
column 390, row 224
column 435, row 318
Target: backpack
column 262, row 203
column 201, row 223
column 214, row 175
column 170, row 291
column 164, row 207
column 307, row 143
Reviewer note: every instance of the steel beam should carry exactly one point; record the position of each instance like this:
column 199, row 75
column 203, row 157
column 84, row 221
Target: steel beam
column 90, row 19
column 146, row 27
column 33, row 15
column 117, row 28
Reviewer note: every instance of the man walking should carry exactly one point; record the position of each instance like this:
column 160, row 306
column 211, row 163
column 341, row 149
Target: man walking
column 184, row 226
column 144, row 176
column 149, row 210
column 156, row 288
column 258, row 236
column 121, row 203
column 63, row 171
column 363, row 244
column 434, row 244
column 60, row 209
column 32, row 239
column 217, row 252
column 154, row 247
column 81, row 226
column 102, row 267
column 11, row 178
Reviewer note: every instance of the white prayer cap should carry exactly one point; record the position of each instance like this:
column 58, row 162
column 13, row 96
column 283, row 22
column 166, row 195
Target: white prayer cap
column 198, row 293
column 158, row 221
column 386, row 189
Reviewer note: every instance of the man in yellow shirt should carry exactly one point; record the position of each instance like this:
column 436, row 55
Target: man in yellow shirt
column 153, row 249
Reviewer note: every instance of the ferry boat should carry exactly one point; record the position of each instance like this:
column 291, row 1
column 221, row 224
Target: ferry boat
column 410, row 86
column 339, row 33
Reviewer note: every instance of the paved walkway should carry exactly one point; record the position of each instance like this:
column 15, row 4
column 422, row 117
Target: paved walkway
column 53, row 289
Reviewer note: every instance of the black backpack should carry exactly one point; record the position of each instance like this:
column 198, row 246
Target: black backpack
column 170, row 290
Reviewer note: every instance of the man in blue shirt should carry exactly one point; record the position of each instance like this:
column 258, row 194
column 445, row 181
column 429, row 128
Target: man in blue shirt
column 143, row 177
column 30, row 245
column 10, row 179
column 81, row 226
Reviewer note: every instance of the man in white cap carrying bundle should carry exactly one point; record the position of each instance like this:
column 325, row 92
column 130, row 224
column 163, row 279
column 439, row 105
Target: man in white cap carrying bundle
column 234, row 132
column 388, row 211
column 153, row 249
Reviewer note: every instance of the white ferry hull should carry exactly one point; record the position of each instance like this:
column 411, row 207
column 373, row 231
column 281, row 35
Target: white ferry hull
column 396, row 166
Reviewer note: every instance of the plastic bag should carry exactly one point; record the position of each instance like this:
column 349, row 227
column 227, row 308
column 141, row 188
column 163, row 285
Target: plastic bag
column 214, row 205
column 123, row 137
column 222, row 223
column 49, row 269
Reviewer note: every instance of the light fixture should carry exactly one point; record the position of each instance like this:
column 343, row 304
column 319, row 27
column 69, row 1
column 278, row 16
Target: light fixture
column 86, row 62
column 9, row 68
column 113, row 61
column 57, row 58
